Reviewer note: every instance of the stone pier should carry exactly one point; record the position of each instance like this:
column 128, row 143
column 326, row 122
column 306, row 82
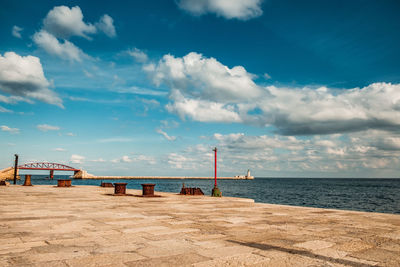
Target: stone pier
column 89, row 226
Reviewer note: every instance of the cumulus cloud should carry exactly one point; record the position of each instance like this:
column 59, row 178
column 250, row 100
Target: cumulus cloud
column 209, row 78
column 77, row 159
column 232, row 9
column 126, row 159
column 325, row 111
column 179, row 161
column 23, row 76
column 65, row 49
column 46, row 127
column 106, row 25
column 205, row 90
column 64, row 22
column 166, row 136
column 202, row 110
column 148, row 159
column 5, row 128
column 138, row 55
column 351, row 153
column 16, row 31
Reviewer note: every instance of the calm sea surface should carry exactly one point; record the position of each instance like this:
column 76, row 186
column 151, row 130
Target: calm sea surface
column 377, row 195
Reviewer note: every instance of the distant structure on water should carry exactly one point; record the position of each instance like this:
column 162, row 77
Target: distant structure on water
column 246, row 177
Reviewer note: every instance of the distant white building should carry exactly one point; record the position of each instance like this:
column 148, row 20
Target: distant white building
column 246, row 177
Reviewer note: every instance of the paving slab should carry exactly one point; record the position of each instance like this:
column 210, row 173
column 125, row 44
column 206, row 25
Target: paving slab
column 88, row 226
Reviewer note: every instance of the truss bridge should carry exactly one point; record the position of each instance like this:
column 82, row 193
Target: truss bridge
column 48, row 166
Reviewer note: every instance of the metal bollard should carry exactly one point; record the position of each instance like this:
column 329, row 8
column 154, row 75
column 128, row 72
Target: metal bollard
column 61, row 183
column 148, row 189
column 120, row 188
column 68, row 183
column 27, row 180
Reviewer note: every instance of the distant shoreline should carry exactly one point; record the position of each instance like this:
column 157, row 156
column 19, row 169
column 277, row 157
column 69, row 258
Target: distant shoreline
column 160, row 178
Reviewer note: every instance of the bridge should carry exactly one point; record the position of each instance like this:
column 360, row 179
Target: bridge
column 47, row 166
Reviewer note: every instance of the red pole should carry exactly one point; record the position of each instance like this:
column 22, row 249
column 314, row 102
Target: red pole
column 215, row 167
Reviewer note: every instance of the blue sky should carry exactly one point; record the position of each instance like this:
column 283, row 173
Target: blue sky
column 285, row 88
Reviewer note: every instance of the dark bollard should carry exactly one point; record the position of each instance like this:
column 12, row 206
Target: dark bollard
column 68, row 183
column 61, row 183
column 27, row 180
column 106, row 184
column 148, row 189
column 195, row 191
column 120, row 188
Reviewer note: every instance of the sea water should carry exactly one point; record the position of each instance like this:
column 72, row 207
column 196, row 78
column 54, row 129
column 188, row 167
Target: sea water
column 374, row 195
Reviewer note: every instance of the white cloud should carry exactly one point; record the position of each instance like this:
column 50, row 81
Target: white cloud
column 205, row 78
column 70, row 134
column 202, row 110
column 138, row 55
column 98, row 160
column 126, row 159
column 64, row 22
column 77, row 159
column 123, row 159
column 59, row 149
column 65, row 50
column 325, row 111
column 139, row 158
column 14, row 99
column 5, row 128
column 150, row 160
column 106, row 25
column 4, row 110
column 140, row 91
column 166, row 136
column 353, row 152
column 23, row 77
column 178, row 161
column 205, row 90
column 16, row 31
column 229, row 9
column 46, row 127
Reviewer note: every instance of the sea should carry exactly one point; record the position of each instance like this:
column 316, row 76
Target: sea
column 360, row 194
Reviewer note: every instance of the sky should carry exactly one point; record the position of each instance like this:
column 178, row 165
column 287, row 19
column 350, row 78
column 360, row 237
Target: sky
column 283, row 88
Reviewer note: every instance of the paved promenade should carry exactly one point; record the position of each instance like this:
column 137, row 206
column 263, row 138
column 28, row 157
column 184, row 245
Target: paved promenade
column 88, row 226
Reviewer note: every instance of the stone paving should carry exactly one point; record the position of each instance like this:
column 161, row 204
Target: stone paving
column 88, row 226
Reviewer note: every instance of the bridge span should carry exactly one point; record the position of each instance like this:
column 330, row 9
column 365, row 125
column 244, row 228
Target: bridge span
column 51, row 166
